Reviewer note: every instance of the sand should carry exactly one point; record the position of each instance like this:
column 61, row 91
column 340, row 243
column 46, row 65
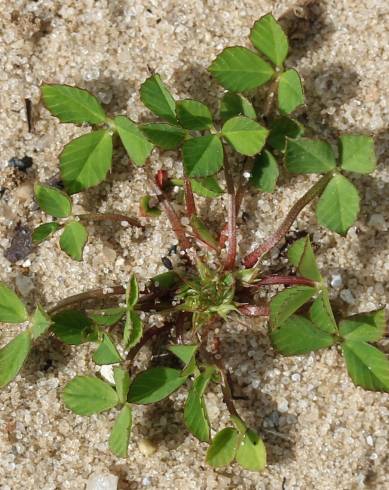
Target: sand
column 321, row 431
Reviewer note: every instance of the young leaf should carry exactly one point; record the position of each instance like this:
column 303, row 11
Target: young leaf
column 285, row 303
column 73, row 327
column 120, row 435
column 290, row 91
column 367, row 366
column 107, row 352
column 44, row 231
column 72, row 104
column 164, row 135
column 86, row 160
column 122, row 383
column 203, row 232
column 87, row 395
column 239, row 69
column 281, row 128
column 307, row 156
column 194, row 115
column 134, row 141
column 154, row 384
column 146, row 209
column 195, row 411
column 357, row 153
column 157, row 97
column 300, row 254
column 265, row 172
column 166, row 280
column 133, row 329
column 107, row 317
column 40, row 322
column 245, row 135
column 223, row 448
column 184, row 352
column 12, row 357
column 297, row 335
column 73, row 240
column 236, row 105
column 269, row 38
column 53, row 201
column 12, row 310
column 321, row 313
column 206, row 187
column 132, row 292
column 369, row 327
column 251, row 452
column 203, row 156
column 338, row 206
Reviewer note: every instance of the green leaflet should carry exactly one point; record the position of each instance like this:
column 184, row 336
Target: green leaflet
column 301, row 255
column 40, row 322
column 236, row 105
column 290, row 91
column 121, row 430
column 146, row 209
column 108, row 316
column 251, row 453
column 86, row 160
column 223, row 448
column 268, row 37
column 206, row 187
column 282, row 128
column 44, row 231
column 194, row 115
column 297, row 335
column 86, row 395
column 369, row 327
column 122, row 383
column 245, row 135
column 107, row 352
column 305, row 156
column 73, row 327
column 134, row 141
column 53, row 201
column 132, row 292
column 157, row 97
column 338, row 206
column 321, row 314
column 239, row 69
column 133, row 329
column 164, row 135
column 73, row 240
column 357, row 153
column 203, row 232
column 184, row 352
column 12, row 310
column 13, row 356
column 285, row 303
column 367, row 366
column 72, row 104
column 154, row 384
column 265, row 172
column 203, row 156
column 195, row 411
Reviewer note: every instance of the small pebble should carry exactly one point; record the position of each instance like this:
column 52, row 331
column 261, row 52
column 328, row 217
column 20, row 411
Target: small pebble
column 98, row 481
column 21, row 163
column 336, row 281
column 146, row 447
column 369, row 440
column 347, row 296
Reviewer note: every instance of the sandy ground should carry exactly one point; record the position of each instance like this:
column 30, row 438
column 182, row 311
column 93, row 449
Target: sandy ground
column 322, row 433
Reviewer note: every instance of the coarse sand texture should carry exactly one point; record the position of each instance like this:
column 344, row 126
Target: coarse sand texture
column 321, row 431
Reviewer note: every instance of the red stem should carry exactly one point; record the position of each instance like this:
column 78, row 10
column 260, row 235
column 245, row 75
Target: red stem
column 254, row 310
column 189, row 198
column 285, row 280
column 231, row 223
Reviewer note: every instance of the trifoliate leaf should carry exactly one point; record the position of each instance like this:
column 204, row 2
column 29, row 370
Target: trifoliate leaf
column 281, row 128
column 206, row 187
column 265, row 172
column 44, row 231
column 194, row 115
column 40, row 322
column 121, row 430
column 73, row 240
column 53, row 201
column 297, row 335
column 338, row 206
column 300, row 254
column 133, row 329
column 134, row 141
column 72, row 104
column 321, row 313
column 12, row 357
column 269, row 38
column 245, row 135
column 107, row 352
column 86, row 160
column 290, row 91
column 86, row 395
column 122, row 382
column 367, row 366
column 307, row 156
column 357, row 153
column 12, row 310
column 154, row 384
column 195, row 411
column 108, row 316
column 164, row 135
column 239, row 69
column 132, row 292
column 236, row 105
column 157, row 97
column 223, row 448
column 285, row 303
column 251, row 452
column 73, row 327
column 203, row 156
column 369, row 327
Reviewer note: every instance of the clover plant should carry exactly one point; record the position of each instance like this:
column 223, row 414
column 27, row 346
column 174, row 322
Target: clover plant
column 210, row 286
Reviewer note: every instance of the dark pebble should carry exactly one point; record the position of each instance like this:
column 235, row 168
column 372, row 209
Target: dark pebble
column 167, row 263
column 20, row 163
column 21, row 244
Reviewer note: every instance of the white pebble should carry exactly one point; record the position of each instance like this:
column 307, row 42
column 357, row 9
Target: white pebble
column 336, row 281
column 296, row 377
column 369, row 440
column 282, row 406
column 347, row 296
column 98, row 481
column 107, row 373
